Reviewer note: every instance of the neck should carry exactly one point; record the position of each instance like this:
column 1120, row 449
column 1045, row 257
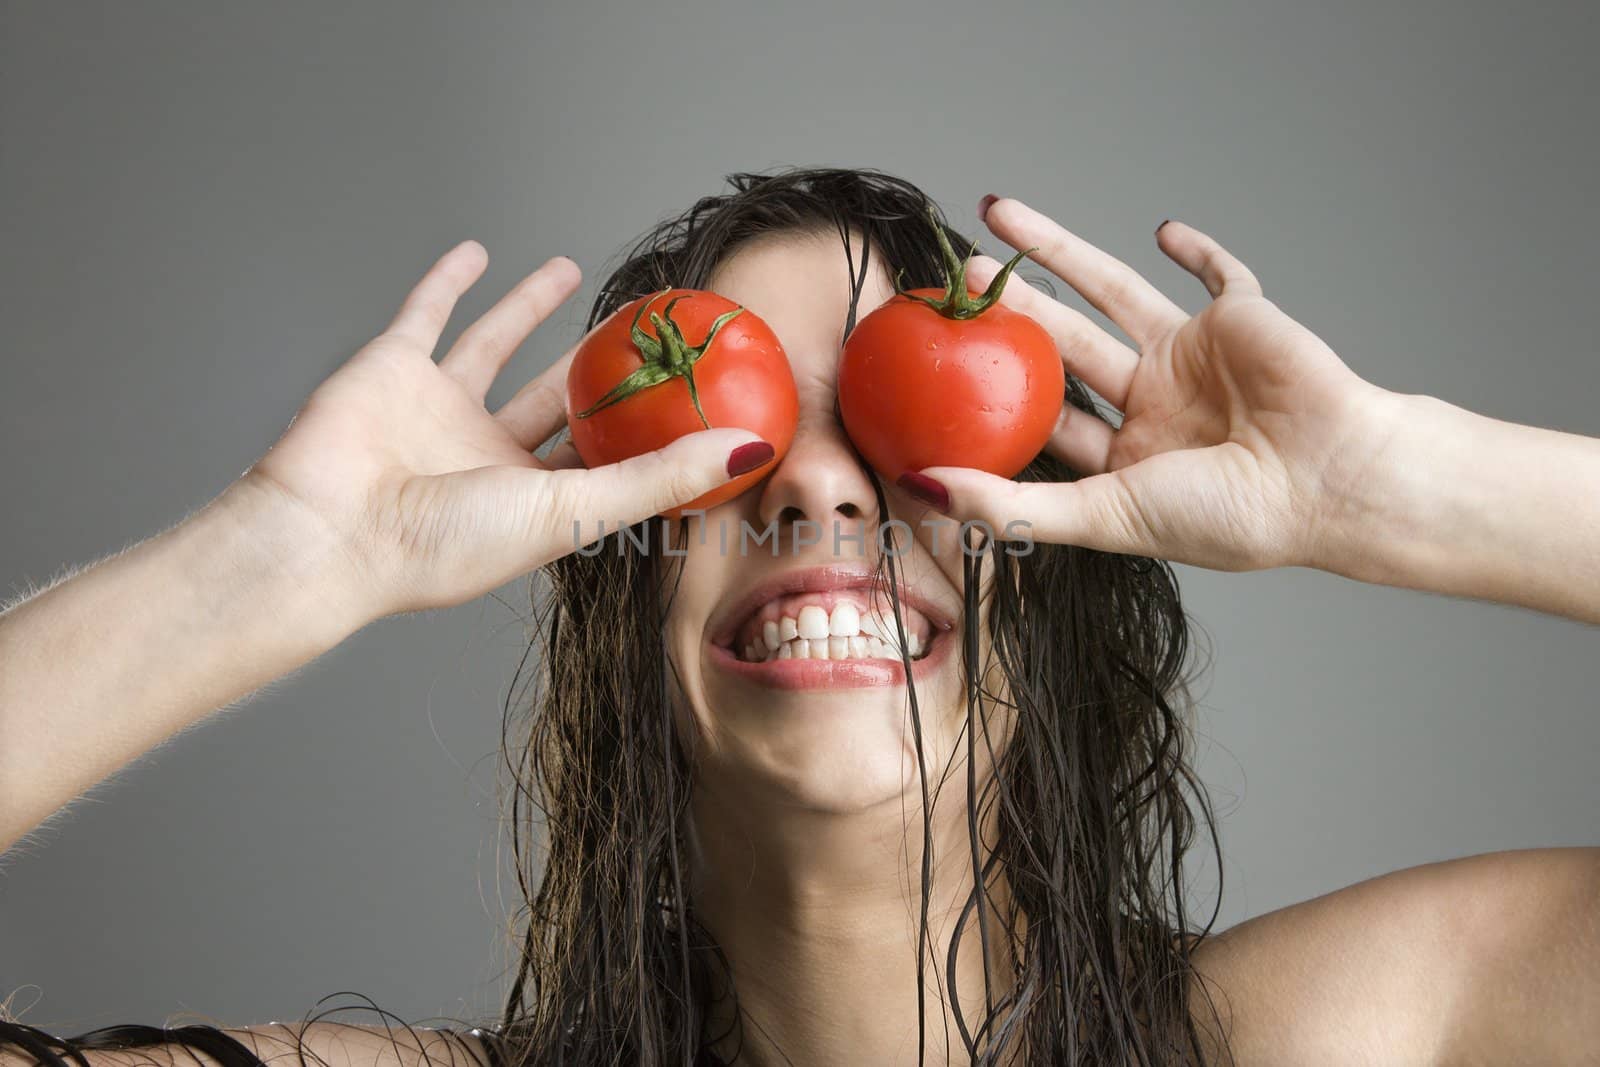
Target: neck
column 818, row 914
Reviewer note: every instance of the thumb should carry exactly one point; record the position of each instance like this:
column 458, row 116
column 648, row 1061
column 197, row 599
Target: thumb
column 633, row 489
column 1094, row 512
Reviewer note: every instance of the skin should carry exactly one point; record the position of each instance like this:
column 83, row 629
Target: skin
column 1247, row 443
column 806, row 802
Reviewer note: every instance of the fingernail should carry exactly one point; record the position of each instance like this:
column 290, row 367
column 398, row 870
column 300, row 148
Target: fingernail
column 926, row 490
column 984, row 205
column 747, row 457
column 1163, row 223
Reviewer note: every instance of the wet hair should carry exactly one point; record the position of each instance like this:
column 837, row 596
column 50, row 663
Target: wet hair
column 1085, row 675
column 1093, row 798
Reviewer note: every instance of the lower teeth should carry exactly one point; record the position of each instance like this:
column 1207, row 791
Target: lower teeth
column 826, row 648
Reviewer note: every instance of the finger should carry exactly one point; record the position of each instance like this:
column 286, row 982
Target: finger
column 1207, row 260
column 1113, row 287
column 485, row 347
column 563, row 457
column 649, row 484
column 1095, row 512
column 426, row 311
column 1087, row 351
column 1080, row 440
column 539, row 409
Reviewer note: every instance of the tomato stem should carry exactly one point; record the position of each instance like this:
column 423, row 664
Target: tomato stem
column 666, row 355
column 957, row 303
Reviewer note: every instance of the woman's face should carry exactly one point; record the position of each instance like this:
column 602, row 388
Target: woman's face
column 830, row 734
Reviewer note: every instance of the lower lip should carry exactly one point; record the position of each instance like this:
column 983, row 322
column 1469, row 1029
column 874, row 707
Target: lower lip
column 832, row 673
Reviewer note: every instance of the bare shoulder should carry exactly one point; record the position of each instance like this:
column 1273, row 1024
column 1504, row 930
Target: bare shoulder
column 318, row 1044
column 349, row 1045
column 1486, row 959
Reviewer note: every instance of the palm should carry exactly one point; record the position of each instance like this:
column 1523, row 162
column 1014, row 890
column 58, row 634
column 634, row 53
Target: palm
column 1235, row 420
column 1227, row 416
column 436, row 498
column 386, row 418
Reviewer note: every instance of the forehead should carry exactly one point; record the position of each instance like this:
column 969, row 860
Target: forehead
column 800, row 283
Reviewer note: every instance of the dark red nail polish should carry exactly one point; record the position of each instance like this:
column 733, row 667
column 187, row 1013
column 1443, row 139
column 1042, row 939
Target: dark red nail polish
column 747, row 457
column 984, row 205
column 926, row 490
column 1163, row 223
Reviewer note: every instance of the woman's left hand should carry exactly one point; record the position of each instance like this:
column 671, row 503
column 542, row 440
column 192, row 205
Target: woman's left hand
column 1241, row 431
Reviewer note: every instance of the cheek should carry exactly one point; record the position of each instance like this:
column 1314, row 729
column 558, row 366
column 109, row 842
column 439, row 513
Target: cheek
column 926, row 542
column 693, row 586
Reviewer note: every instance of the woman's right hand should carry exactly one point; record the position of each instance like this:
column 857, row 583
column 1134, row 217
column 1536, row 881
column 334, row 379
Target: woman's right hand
column 432, row 499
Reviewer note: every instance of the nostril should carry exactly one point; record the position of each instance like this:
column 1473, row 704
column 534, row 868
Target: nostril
column 790, row 515
column 850, row 511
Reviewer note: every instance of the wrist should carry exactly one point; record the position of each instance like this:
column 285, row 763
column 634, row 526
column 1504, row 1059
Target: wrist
column 1373, row 495
column 1383, row 505
column 295, row 557
column 1462, row 504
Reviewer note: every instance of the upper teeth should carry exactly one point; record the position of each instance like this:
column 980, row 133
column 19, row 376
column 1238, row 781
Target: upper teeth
column 841, row 634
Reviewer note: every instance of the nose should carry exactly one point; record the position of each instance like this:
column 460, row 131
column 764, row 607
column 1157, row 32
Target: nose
column 820, row 481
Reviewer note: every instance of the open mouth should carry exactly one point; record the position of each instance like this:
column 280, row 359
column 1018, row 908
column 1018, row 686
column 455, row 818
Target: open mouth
column 834, row 624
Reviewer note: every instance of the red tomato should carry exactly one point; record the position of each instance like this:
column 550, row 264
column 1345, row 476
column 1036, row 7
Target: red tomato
column 920, row 389
column 741, row 378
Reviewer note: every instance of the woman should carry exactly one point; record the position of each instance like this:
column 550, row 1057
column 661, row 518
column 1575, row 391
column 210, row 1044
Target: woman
column 737, row 868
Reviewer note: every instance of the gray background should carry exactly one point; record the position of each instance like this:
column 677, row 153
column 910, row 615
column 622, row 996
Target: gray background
column 205, row 210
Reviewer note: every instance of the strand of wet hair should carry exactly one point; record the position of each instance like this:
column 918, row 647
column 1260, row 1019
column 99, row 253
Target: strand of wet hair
column 858, row 282
column 923, row 933
column 679, row 889
column 971, row 589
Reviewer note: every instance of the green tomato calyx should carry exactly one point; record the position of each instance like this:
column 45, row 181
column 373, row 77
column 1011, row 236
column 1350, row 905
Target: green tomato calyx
column 666, row 355
column 957, row 303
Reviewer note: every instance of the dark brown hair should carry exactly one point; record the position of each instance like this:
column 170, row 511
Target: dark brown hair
column 1091, row 796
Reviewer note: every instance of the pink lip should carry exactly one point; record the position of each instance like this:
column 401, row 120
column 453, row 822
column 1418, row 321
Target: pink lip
column 815, row 673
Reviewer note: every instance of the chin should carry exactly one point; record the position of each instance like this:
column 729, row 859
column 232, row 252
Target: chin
column 838, row 751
